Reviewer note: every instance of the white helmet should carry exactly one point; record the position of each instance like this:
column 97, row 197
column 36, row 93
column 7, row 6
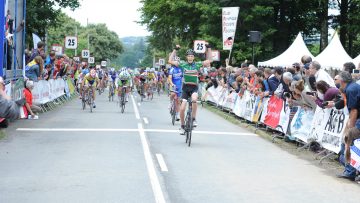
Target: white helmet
column 123, row 69
column 112, row 69
column 152, row 70
column 147, row 69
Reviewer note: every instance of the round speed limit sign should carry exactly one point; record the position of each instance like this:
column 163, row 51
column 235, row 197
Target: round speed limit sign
column 91, row 60
column 71, row 42
column 85, row 53
column 199, row 46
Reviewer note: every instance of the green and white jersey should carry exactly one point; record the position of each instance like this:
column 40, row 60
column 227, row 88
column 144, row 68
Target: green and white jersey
column 191, row 72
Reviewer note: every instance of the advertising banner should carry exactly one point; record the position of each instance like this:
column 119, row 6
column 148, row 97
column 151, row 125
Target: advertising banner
column 229, row 22
column 274, row 108
column 301, row 123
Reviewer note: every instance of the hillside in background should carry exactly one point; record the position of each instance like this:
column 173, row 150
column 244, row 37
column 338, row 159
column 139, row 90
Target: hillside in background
column 135, row 53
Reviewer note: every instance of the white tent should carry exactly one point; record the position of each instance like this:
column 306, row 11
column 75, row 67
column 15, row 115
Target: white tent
column 293, row 54
column 334, row 55
column 356, row 61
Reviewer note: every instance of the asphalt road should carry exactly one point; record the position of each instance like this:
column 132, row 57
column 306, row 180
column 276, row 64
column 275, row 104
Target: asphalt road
column 72, row 155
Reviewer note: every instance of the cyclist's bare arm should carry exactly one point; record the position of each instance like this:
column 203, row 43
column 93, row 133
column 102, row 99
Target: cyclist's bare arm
column 172, row 57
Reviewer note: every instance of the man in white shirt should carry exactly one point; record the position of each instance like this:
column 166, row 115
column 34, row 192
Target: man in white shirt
column 320, row 74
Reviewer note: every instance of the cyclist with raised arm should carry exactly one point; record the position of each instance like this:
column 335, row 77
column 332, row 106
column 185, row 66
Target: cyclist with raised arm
column 175, row 81
column 90, row 81
column 191, row 70
column 123, row 80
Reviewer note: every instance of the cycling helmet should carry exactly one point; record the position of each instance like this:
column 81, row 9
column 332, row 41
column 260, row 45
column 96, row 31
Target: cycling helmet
column 152, row 70
column 190, row 52
column 147, row 69
column 123, row 70
column 112, row 69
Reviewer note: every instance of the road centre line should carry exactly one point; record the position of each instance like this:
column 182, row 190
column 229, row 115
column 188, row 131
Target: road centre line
column 146, row 121
column 126, row 130
column 161, row 161
column 155, row 184
column 136, row 110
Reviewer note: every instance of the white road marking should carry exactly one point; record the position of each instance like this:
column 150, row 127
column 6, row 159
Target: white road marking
column 77, row 130
column 136, row 110
column 127, row 130
column 139, row 104
column 155, row 184
column 146, row 121
column 161, row 161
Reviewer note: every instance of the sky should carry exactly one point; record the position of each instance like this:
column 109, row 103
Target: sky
column 118, row 15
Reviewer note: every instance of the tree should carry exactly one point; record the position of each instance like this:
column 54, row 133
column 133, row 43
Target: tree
column 104, row 44
column 41, row 14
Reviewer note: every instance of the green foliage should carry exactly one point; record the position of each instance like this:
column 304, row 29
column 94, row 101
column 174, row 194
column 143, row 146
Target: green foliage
column 136, row 53
column 42, row 14
column 186, row 20
column 104, row 44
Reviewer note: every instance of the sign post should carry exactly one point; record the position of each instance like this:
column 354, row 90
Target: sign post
column 200, row 46
column 85, row 54
column 229, row 22
column 71, row 42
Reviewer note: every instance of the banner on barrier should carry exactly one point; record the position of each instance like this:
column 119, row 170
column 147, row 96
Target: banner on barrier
column 284, row 118
column 301, row 123
column 249, row 106
column 230, row 101
column 45, row 91
column 274, row 107
column 264, row 110
column 257, row 110
column 355, row 155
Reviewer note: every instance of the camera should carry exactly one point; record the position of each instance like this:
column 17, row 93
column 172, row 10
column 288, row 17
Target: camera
column 356, row 71
column 287, row 95
column 325, row 103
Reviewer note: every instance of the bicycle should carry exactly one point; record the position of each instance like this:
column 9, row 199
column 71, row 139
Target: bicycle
column 122, row 99
column 87, row 98
column 101, row 89
column 150, row 91
column 141, row 91
column 173, row 108
column 189, row 122
column 111, row 92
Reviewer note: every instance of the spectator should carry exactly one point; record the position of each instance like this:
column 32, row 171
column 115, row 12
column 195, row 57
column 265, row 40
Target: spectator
column 349, row 67
column 320, row 74
column 260, row 84
column 274, row 81
column 284, row 86
column 33, row 70
column 252, row 71
column 352, row 91
column 38, row 52
column 239, row 82
column 301, row 98
column 30, row 107
column 9, row 109
column 337, row 81
column 309, row 79
column 297, row 75
column 330, row 93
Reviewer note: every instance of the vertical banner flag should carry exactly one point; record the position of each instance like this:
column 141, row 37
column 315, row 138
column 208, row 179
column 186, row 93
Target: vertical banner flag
column 229, row 21
column 36, row 39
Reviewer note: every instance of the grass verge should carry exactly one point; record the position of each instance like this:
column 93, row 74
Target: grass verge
column 2, row 134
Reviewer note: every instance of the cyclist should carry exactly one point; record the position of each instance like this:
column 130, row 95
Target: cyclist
column 124, row 80
column 151, row 81
column 175, row 81
column 191, row 70
column 90, row 81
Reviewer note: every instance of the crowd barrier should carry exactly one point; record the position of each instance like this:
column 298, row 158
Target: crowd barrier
column 325, row 126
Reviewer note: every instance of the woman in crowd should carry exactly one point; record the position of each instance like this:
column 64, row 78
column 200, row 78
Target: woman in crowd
column 34, row 69
column 330, row 93
column 301, row 98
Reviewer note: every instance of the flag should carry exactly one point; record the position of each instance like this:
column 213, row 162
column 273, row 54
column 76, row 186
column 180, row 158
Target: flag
column 36, row 39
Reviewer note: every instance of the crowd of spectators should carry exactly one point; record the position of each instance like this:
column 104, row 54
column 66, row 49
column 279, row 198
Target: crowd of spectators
column 305, row 84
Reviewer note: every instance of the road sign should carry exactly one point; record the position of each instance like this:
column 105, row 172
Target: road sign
column 76, row 58
column 162, row 62
column 215, row 55
column 58, row 49
column 98, row 66
column 91, row 60
column 85, row 53
column 71, row 42
column 103, row 63
column 199, row 46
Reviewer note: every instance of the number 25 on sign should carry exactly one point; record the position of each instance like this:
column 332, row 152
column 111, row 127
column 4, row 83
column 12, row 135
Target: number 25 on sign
column 199, row 46
column 71, row 42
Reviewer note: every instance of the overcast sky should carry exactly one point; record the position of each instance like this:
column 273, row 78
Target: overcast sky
column 118, row 15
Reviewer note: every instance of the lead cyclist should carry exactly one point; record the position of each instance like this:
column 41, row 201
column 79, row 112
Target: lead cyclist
column 190, row 88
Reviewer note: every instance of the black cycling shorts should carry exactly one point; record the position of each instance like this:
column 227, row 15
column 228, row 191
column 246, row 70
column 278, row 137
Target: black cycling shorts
column 188, row 90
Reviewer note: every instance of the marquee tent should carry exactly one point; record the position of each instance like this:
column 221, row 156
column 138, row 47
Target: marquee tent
column 291, row 55
column 334, row 55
